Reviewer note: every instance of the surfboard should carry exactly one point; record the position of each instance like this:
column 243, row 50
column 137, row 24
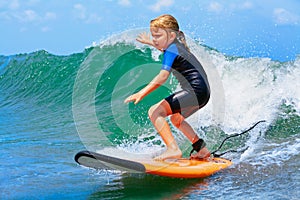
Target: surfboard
column 177, row 168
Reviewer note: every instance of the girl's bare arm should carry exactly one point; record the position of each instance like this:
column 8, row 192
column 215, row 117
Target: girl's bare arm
column 155, row 83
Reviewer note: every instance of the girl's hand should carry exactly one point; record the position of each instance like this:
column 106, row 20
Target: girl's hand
column 144, row 38
column 137, row 97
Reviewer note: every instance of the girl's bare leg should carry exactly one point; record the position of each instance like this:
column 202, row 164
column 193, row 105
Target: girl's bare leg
column 179, row 122
column 157, row 115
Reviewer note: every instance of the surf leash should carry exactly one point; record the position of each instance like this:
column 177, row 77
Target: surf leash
column 214, row 153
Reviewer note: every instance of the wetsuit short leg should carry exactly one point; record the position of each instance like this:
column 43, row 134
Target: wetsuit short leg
column 186, row 103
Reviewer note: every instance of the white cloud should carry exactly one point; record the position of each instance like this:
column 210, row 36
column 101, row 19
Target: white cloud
column 124, row 2
column 20, row 13
column 50, row 16
column 82, row 13
column 246, row 5
column 28, row 16
column 215, row 7
column 160, row 4
column 284, row 17
column 14, row 11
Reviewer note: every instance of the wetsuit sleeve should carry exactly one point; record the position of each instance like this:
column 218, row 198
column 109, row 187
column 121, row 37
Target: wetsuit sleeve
column 169, row 57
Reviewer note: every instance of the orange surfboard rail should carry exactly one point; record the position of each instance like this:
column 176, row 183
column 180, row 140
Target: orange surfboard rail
column 177, row 168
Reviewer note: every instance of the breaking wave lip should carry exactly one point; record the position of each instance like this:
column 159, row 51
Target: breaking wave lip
column 243, row 76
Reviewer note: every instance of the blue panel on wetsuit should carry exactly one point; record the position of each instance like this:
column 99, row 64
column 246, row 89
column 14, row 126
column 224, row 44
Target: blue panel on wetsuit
column 169, row 57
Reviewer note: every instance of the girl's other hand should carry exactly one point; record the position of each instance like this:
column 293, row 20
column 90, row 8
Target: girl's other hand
column 144, row 38
column 135, row 98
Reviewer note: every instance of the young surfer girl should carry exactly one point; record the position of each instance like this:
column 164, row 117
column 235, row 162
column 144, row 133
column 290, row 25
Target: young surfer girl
column 195, row 92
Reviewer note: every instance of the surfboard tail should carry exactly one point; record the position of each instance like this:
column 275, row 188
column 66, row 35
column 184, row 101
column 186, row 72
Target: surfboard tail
column 101, row 161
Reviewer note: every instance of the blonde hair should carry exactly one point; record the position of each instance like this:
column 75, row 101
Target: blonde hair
column 170, row 23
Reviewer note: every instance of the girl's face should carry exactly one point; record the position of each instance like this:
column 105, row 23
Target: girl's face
column 162, row 38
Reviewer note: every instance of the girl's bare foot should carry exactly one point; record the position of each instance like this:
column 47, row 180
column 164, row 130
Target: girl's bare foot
column 169, row 153
column 202, row 154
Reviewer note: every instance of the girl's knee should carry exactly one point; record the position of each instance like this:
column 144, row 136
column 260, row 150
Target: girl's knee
column 151, row 112
column 176, row 119
column 157, row 110
column 154, row 112
column 161, row 109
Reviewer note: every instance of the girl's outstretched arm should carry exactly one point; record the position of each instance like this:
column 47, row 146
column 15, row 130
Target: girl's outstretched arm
column 145, row 39
column 155, row 83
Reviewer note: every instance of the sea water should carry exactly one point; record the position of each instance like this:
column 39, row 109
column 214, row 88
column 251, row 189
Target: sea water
column 53, row 106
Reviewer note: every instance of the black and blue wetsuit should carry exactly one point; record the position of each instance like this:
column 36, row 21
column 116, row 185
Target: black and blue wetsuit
column 190, row 74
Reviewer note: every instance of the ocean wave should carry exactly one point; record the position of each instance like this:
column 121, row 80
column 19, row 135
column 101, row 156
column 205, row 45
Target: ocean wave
column 244, row 90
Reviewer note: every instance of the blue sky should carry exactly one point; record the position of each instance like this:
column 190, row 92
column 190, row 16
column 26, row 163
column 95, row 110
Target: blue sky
column 259, row 28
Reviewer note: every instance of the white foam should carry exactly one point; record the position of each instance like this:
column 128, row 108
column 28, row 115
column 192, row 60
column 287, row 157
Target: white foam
column 275, row 153
column 255, row 87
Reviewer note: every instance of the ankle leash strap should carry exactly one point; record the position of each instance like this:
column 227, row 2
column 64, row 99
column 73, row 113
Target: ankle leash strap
column 197, row 146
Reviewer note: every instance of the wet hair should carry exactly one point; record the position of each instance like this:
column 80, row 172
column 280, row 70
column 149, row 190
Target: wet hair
column 169, row 22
